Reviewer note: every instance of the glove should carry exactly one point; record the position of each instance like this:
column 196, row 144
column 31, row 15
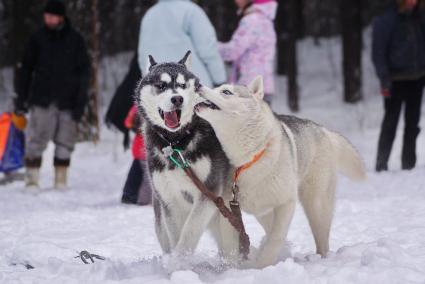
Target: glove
column 386, row 93
column 19, row 121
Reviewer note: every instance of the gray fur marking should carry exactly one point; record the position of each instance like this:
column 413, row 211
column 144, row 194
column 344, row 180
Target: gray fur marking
column 187, row 196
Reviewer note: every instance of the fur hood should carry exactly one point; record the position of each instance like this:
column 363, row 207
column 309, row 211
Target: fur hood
column 267, row 9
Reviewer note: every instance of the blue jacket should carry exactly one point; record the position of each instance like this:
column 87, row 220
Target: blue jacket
column 171, row 28
column 398, row 46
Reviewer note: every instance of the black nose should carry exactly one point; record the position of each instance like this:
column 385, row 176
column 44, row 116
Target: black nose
column 177, row 100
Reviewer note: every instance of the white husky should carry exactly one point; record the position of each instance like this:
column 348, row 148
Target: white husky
column 287, row 156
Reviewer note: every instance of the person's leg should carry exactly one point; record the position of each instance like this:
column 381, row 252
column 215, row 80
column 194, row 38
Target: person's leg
column 64, row 138
column 145, row 190
column 389, row 125
column 41, row 127
column 132, row 184
column 412, row 114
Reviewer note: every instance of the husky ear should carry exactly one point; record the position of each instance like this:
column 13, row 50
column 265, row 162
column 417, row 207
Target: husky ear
column 256, row 87
column 151, row 63
column 187, row 60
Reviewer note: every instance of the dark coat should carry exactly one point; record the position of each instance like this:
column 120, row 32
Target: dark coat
column 123, row 100
column 398, row 46
column 55, row 69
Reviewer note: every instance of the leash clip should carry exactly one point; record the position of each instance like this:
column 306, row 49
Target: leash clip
column 235, row 192
column 178, row 159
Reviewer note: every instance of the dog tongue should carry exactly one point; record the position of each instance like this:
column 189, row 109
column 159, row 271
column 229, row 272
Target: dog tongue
column 171, row 119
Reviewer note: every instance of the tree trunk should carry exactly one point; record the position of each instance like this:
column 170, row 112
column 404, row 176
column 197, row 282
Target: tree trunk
column 217, row 10
column 94, row 87
column 89, row 125
column 19, row 34
column 351, row 19
column 291, row 53
column 21, row 26
column 282, row 38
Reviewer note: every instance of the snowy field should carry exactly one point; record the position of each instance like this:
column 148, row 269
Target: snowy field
column 378, row 234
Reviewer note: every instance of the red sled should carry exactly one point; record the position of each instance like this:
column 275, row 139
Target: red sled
column 12, row 145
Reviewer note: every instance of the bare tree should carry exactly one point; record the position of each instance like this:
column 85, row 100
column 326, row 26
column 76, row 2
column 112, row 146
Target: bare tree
column 94, row 87
column 88, row 128
column 292, row 8
column 351, row 19
column 222, row 14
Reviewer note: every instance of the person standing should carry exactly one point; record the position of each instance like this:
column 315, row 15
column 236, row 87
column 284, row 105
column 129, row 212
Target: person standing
column 252, row 48
column 172, row 27
column 398, row 53
column 123, row 100
column 137, row 188
column 52, row 84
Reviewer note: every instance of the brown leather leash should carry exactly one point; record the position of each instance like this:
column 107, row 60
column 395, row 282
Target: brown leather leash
column 233, row 215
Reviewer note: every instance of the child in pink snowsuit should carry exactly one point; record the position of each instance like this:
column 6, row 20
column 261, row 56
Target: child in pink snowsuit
column 253, row 45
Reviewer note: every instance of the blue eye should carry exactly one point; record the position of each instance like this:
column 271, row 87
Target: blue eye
column 227, row 92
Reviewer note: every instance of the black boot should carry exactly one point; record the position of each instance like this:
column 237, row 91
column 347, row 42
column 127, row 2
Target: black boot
column 388, row 131
column 408, row 157
column 380, row 167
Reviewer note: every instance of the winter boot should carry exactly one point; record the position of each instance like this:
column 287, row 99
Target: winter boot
column 32, row 176
column 32, row 173
column 61, row 174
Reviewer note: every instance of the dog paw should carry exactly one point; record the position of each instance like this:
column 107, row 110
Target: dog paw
column 174, row 262
column 248, row 264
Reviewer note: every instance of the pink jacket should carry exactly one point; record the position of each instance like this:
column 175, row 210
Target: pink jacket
column 253, row 46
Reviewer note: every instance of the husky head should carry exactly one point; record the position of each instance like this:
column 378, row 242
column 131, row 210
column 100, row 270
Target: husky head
column 167, row 94
column 231, row 102
column 239, row 117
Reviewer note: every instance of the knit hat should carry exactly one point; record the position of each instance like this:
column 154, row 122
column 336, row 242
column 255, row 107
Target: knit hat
column 262, row 1
column 55, row 7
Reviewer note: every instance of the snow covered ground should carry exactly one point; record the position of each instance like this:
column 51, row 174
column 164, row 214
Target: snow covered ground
column 378, row 234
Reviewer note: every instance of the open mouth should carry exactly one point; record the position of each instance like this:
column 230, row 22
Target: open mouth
column 171, row 118
column 206, row 104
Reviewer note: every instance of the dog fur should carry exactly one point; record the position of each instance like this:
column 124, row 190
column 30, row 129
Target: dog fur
column 301, row 159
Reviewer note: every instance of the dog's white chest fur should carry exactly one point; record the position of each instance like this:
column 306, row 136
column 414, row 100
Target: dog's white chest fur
column 174, row 185
column 266, row 185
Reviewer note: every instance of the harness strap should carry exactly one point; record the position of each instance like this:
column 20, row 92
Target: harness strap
column 246, row 166
column 233, row 215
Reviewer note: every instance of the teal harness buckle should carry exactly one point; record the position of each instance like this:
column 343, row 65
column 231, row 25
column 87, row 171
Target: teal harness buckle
column 176, row 156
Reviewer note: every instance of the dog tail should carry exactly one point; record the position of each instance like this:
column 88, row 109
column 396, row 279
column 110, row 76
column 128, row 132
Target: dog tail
column 348, row 159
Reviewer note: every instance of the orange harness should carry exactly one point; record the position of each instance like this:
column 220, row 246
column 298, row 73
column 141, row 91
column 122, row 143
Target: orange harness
column 246, row 166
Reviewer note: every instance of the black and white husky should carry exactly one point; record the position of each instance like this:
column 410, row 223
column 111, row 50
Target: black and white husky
column 166, row 97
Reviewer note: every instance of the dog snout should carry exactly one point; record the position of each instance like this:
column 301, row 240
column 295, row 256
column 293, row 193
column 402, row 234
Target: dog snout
column 177, row 101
